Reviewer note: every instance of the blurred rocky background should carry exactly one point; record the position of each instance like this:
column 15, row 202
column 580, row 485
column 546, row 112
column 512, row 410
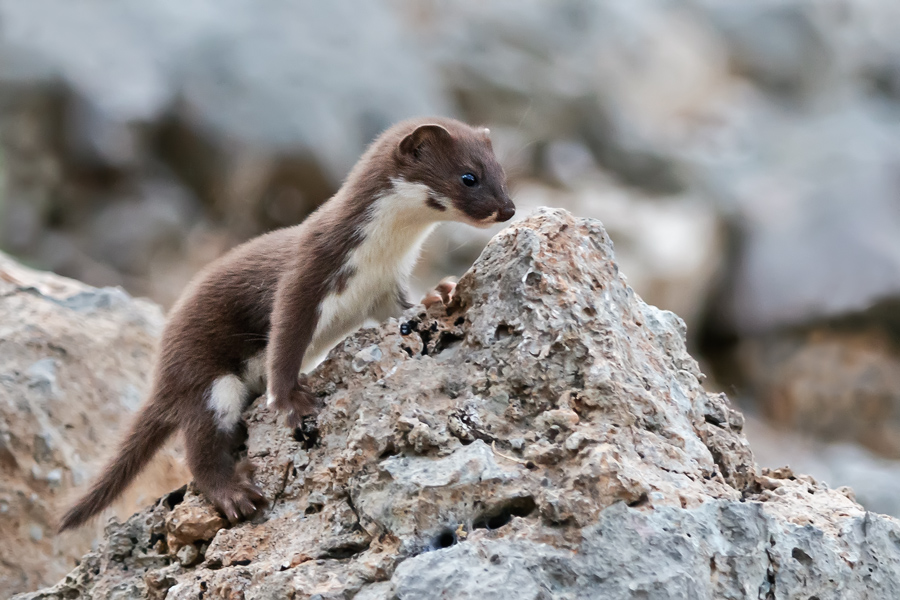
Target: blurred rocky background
column 745, row 158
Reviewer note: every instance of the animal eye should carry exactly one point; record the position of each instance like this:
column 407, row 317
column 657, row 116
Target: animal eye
column 469, row 180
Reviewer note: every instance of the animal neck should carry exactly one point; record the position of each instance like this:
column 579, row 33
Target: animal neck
column 397, row 224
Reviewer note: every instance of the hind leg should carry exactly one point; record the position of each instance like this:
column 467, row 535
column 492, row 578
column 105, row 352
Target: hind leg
column 212, row 438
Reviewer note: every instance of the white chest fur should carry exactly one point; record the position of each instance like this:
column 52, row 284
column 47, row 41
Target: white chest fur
column 381, row 264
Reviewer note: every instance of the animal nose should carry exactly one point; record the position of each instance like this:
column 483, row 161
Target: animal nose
column 506, row 212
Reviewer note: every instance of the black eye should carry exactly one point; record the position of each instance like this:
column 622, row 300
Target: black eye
column 469, row 180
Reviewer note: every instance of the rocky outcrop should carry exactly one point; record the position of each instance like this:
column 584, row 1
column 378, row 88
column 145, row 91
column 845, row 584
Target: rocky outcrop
column 742, row 156
column 73, row 366
column 545, row 436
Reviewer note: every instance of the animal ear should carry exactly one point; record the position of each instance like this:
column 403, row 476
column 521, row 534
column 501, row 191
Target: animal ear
column 421, row 136
column 486, row 135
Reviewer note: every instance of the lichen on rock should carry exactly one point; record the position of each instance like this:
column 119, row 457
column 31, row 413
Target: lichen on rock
column 546, row 435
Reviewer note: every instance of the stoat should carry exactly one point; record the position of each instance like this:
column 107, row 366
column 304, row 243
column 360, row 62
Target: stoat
column 257, row 317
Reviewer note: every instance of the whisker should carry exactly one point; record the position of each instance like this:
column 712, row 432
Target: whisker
column 251, row 336
column 525, row 114
column 524, row 147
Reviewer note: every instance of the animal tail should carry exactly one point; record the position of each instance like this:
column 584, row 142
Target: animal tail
column 149, row 432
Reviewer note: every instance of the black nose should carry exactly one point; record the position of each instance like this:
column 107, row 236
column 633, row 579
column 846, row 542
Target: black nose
column 506, row 212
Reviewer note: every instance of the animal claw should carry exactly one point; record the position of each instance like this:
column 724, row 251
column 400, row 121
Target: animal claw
column 242, row 498
column 442, row 293
column 300, row 403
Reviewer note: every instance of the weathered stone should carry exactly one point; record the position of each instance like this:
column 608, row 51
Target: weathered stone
column 873, row 481
column 660, row 496
column 669, row 247
column 817, row 242
column 190, row 522
column 75, row 361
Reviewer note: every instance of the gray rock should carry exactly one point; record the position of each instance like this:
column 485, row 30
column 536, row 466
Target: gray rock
column 779, row 46
column 578, row 71
column 818, row 210
column 840, row 384
column 670, row 249
column 413, row 487
column 721, row 549
column 133, row 132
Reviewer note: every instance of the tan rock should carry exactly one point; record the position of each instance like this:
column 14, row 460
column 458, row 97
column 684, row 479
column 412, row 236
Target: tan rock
column 836, row 384
column 74, row 365
column 190, row 522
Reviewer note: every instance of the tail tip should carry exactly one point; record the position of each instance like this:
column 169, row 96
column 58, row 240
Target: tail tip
column 72, row 520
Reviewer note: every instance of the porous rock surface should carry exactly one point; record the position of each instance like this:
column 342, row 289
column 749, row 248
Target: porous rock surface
column 544, row 436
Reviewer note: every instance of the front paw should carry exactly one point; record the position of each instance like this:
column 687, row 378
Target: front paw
column 442, row 293
column 298, row 404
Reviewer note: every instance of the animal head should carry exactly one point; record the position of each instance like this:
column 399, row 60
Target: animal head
column 457, row 165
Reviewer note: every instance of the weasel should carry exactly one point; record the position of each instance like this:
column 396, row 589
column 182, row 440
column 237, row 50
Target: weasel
column 255, row 319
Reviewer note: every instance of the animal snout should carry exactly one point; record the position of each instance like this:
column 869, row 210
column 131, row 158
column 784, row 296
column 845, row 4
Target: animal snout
column 506, row 212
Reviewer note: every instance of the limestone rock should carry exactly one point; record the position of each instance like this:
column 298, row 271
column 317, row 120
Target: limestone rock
column 544, row 436
column 630, row 81
column 182, row 57
column 64, row 399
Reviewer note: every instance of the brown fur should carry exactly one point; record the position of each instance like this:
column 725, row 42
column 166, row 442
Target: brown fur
column 266, row 294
